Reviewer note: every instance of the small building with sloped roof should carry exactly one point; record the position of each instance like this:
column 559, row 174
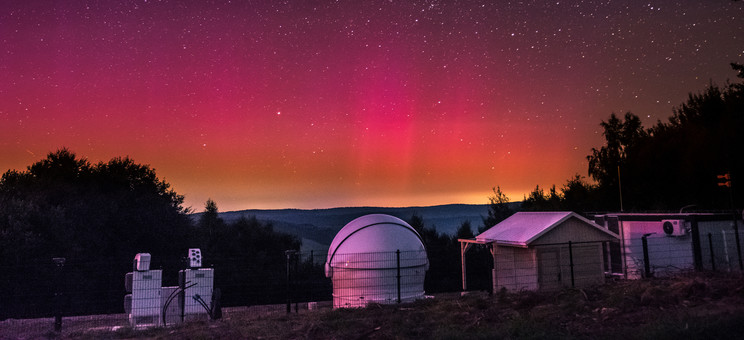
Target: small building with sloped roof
column 543, row 251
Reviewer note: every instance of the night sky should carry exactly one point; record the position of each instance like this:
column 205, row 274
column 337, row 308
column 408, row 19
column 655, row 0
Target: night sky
column 315, row 104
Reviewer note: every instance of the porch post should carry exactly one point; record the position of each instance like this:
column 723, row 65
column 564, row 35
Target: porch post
column 494, row 272
column 464, row 246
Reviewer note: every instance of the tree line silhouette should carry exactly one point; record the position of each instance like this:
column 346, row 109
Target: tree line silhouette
column 671, row 165
column 98, row 216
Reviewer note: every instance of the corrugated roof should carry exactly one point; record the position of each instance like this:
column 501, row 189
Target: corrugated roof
column 524, row 227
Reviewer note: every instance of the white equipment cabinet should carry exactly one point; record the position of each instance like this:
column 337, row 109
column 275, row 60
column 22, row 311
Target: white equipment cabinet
column 147, row 300
column 144, row 310
column 198, row 283
column 143, row 303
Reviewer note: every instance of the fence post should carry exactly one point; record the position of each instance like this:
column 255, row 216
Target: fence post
column 60, row 263
column 646, row 262
column 397, row 254
column 571, row 263
column 697, row 250
column 295, row 276
column 712, row 254
column 289, row 300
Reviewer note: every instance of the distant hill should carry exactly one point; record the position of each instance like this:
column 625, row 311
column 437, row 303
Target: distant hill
column 321, row 225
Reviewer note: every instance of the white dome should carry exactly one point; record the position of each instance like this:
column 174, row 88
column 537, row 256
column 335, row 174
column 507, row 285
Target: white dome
column 376, row 233
column 376, row 258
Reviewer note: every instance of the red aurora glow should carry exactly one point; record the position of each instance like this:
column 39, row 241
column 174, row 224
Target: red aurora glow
column 264, row 104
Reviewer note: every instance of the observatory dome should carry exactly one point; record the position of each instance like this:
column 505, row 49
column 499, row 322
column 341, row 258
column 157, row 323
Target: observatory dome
column 376, row 258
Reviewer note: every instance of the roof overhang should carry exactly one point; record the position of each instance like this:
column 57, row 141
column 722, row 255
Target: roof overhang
column 492, row 242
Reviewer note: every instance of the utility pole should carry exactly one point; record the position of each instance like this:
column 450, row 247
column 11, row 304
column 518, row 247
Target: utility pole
column 620, row 187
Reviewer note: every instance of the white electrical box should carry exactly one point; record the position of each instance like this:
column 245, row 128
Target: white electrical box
column 142, row 262
column 195, row 257
column 198, row 294
column 146, row 298
column 172, row 308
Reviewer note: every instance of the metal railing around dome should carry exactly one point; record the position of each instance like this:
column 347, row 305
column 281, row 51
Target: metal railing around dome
column 381, row 277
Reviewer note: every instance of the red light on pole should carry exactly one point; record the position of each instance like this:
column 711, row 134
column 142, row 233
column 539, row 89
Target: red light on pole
column 724, row 180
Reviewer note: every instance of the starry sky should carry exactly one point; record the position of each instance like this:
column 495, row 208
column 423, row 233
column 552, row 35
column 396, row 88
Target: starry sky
column 316, row 104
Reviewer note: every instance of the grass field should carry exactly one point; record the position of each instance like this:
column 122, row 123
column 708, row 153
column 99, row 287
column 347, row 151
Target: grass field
column 694, row 306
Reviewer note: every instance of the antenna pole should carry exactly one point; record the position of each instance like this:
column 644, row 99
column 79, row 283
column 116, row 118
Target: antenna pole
column 620, row 187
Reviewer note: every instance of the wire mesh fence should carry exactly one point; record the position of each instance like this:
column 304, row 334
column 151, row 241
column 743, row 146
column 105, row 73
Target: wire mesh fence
column 87, row 293
column 380, row 277
column 719, row 251
column 660, row 255
column 71, row 294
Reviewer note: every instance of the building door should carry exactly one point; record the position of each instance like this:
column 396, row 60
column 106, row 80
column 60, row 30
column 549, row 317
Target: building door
column 588, row 265
column 549, row 269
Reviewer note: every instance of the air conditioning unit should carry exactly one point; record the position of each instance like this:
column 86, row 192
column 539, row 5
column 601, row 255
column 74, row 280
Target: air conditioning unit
column 674, row 227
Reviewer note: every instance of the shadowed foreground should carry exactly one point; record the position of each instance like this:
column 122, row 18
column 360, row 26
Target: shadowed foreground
column 686, row 306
